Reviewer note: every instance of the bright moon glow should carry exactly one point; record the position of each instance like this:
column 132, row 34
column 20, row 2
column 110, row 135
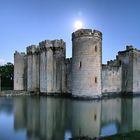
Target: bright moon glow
column 78, row 25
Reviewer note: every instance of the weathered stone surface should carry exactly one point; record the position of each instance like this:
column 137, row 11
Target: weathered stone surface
column 52, row 66
column 20, row 71
column 32, row 68
column 43, row 81
column 68, row 67
column 86, row 62
column 130, row 61
column 136, row 71
column 46, row 69
column 111, row 79
column 126, row 58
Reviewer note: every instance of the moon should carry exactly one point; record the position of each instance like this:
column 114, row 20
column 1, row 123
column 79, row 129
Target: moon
column 78, row 24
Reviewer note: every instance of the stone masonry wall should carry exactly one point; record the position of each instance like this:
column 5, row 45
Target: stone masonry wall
column 59, row 54
column 86, row 62
column 52, row 66
column 126, row 58
column 32, row 68
column 20, row 71
column 68, row 67
column 136, row 71
column 46, row 67
column 126, row 75
column 111, row 78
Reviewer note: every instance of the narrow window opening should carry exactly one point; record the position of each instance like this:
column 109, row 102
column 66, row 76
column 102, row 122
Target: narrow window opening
column 95, row 117
column 95, row 79
column 66, row 80
column 120, row 62
column 80, row 64
column 95, row 48
column 125, row 73
column 126, row 83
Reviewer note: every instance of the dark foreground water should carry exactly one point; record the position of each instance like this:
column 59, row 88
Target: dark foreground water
column 34, row 118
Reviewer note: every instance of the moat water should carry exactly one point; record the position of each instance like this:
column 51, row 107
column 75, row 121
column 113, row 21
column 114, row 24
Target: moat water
column 45, row 118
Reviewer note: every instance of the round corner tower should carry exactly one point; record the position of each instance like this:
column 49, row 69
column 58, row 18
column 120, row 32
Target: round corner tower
column 86, row 62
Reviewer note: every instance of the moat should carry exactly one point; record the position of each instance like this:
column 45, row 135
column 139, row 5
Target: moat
column 47, row 118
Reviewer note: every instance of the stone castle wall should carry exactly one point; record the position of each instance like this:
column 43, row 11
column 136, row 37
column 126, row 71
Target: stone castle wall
column 20, row 71
column 136, row 71
column 42, row 68
column 86, row 62
column 52, row 66
column 126, row 59
column 111, row 79
column 32, row 68
column 68, row 69
column 59, row 65
column 130, row 59
column 45, row 68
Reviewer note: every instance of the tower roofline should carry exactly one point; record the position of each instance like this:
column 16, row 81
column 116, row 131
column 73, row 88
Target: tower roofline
column 31, row 49
column 86, row 32
column 128, row 49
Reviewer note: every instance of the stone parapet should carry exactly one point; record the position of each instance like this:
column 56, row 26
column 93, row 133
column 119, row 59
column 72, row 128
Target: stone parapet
column 113, row 63
column 58, row 43
column 31, row 49
column 19, row 53
column 45, row 44
column 51, row 44
column 20, row 67
column 86, row 32
column 68, row 61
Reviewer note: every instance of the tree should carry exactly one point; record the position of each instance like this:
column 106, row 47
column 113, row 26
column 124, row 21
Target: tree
column 7, row 75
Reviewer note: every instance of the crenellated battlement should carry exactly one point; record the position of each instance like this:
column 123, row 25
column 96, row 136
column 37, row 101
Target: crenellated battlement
column 68, row 61
column 45, row 67
column 86, row 32
column 113, row 63
column 129, row 48
column 19, row 53
column 52, row 43
column 31, row 49
column 110, row 67
column 97, row 33
column 58, row 43
column 46, row 44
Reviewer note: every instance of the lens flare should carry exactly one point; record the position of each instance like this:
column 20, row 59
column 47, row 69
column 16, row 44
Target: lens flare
column 78, row 25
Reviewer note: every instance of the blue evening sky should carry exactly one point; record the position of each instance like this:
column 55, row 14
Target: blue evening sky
column 26, row 22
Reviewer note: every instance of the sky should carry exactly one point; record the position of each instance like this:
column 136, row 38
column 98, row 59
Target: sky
column 26, row 22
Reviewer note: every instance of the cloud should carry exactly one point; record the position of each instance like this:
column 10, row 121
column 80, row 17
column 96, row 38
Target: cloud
column 2, row 61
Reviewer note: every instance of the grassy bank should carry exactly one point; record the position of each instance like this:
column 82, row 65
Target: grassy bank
column 134, row 135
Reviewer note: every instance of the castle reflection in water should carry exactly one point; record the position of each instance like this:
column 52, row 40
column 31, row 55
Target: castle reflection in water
column 57, row 119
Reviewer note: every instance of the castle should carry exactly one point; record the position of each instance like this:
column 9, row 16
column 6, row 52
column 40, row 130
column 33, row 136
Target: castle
column 45, row 68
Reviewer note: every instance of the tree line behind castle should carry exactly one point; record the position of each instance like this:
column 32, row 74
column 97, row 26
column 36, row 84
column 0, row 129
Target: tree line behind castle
column 46, row 69
column 6, row 76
